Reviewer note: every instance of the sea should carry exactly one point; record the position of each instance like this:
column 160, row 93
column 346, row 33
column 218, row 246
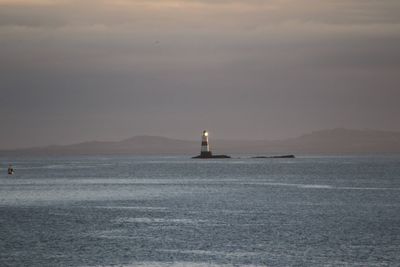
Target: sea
column 176, row 211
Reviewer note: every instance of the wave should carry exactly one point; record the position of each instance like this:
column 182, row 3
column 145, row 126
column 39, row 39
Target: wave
column 178, row 264
column 157, row 220
column 213, row 252
column 132, row 208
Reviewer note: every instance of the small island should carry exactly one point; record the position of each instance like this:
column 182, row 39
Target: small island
column 275, row 157
column 211, row 157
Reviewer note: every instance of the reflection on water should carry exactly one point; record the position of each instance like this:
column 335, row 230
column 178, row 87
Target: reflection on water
column 174, row 211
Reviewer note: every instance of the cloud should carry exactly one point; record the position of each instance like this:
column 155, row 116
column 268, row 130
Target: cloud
column 222, row 13
column 155, row 66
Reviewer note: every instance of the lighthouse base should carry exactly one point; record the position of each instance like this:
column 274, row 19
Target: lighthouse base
column 205, row 154
column 209, row 155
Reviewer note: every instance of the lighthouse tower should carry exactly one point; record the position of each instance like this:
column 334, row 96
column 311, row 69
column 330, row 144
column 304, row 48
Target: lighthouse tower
column 205, row 147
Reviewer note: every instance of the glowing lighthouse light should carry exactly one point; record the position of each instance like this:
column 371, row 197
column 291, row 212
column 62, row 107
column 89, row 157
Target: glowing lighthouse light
column 205, row 148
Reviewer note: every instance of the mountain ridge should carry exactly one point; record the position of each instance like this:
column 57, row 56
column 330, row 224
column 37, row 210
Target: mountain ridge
column 328, row 141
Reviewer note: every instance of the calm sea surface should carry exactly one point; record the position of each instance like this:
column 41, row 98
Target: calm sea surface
column 175, row 211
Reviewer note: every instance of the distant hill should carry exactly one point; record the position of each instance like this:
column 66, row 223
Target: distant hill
column 139, row 145
column 334, row 141
column 343, row 141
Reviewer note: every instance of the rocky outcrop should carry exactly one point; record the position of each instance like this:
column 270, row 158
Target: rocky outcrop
column 212, row 157
column 275, row 157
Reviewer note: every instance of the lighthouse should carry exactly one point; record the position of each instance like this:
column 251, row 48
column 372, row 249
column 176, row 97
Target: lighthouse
column 205, row 152
column 205, row 147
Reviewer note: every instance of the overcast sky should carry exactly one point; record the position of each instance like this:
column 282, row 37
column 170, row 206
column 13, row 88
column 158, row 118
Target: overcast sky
column 74, row 70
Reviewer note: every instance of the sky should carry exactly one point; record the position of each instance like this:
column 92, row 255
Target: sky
column 74, row 70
